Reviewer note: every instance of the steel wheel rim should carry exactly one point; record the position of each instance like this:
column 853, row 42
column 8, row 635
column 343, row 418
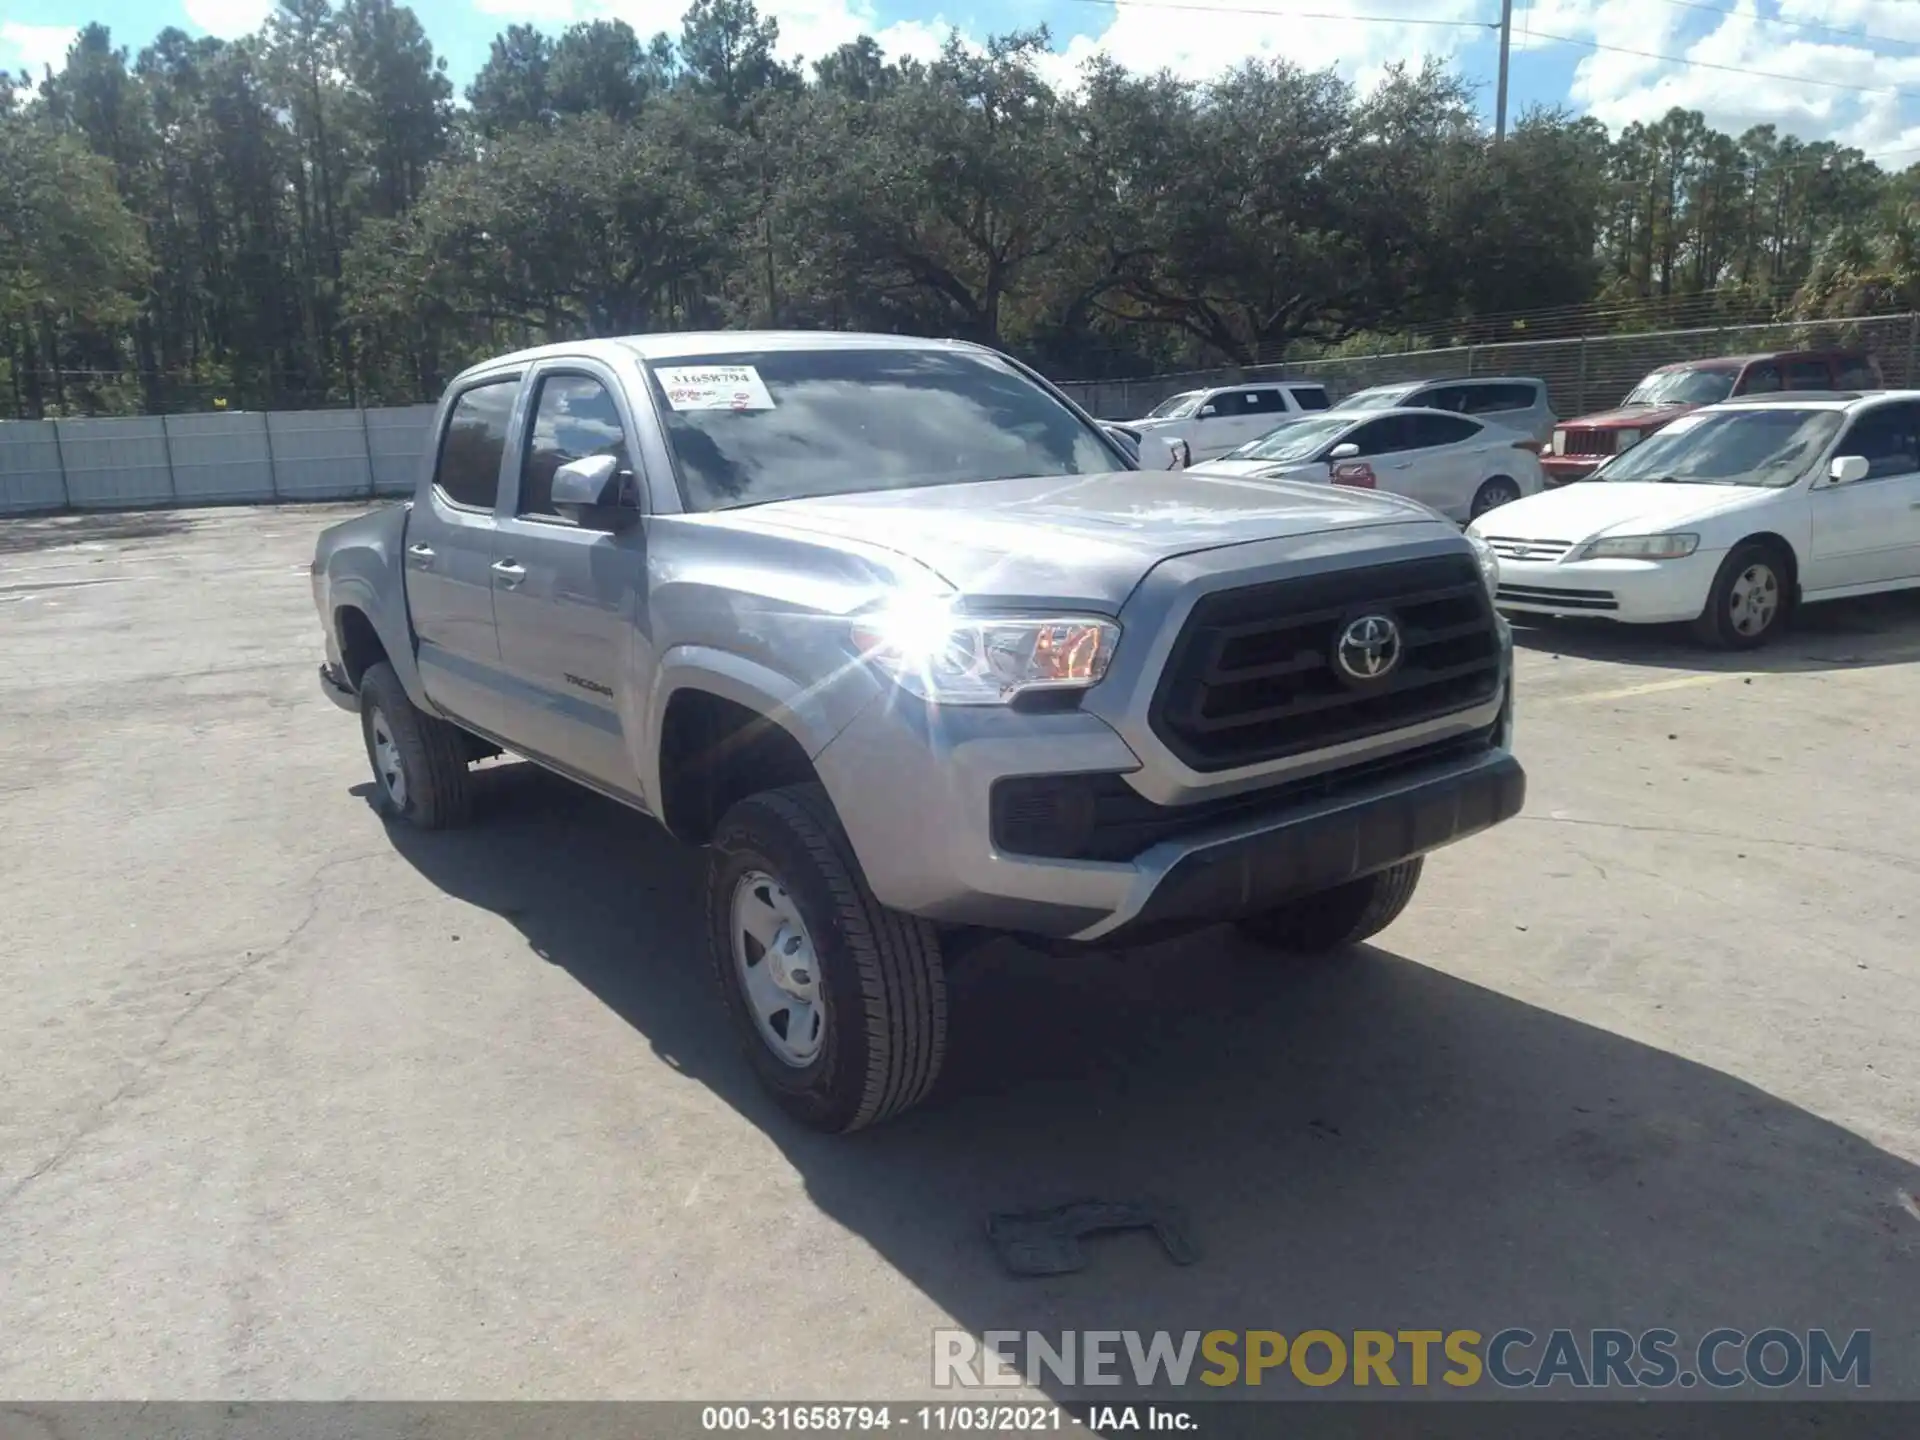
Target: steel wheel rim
column 1494, row 496
column 778, row 970
column 387, row 765
column 1754, row 599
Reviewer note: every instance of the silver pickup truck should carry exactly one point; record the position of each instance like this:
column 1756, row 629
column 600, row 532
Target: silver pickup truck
column 922, row 654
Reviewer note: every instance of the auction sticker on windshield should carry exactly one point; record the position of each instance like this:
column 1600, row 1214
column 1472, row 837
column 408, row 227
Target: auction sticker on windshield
column 713, row 387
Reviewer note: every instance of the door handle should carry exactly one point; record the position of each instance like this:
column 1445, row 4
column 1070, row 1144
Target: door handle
column 510, row 574
column 422, row 553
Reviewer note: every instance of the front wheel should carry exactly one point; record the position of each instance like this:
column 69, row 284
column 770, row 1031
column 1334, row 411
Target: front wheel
column 840, row 1003
column 1500, row 490
column 419, row 760
column 1748, row 601
column 1345, row 915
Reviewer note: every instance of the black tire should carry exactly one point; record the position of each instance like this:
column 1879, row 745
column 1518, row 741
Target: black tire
column 1750, row 563
column 882, row 984
column 435, row 790
column 1494, row 491
column 1345, row 915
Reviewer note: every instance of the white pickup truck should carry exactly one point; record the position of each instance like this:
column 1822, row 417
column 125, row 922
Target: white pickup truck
column 1224, row 418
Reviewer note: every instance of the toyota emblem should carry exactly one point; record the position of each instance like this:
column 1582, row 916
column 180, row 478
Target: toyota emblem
column 1369, row 648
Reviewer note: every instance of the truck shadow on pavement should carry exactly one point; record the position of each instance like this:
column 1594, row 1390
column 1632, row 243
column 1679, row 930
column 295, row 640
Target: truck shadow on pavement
column 1833, row 635
column 1360, row 1142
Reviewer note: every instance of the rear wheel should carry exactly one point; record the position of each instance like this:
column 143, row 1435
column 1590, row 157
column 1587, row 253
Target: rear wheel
column 419, row 760
column 1749, row 598
column 1345, row 915
column 1492, row 494
column 840, row 1003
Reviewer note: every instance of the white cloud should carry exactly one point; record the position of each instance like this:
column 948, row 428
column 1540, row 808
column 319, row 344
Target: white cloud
column 33, row 47
column 808, row 28
column 228, row 19
column 1806, row 66
column 1819, row 78
column 1185, row 39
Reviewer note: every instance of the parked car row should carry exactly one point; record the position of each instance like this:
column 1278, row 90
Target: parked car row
column 1735, row 487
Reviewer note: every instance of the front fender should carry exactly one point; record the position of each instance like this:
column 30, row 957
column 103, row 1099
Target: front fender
column 361, row 568
column 813, row 714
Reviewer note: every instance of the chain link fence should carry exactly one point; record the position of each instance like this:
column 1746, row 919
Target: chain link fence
column 1582, row 376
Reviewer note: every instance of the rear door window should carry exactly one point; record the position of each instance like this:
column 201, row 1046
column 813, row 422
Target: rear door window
column 1494, row 399
column 1427, row 431
column 1383, row 436
column 1441, row 397
column 467, row 472
column 1309, row 397
column 1262, row 402
column 1811, row 374
column 1856, row 372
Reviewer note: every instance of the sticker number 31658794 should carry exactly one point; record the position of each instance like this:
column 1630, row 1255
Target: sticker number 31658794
column 713, row 387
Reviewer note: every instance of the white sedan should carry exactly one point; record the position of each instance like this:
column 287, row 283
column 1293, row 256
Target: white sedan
column 1726, row 518
column 1454, row 463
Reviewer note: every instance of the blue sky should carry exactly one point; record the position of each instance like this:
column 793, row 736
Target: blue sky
column 1839, row 69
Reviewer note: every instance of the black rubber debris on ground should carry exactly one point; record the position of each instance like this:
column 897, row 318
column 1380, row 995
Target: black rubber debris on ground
column 1047, row 1242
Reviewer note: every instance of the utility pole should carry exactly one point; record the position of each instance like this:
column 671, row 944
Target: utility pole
column 1500, row 95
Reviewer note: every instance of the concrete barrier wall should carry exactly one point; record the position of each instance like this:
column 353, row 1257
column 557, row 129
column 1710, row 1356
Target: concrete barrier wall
column 151, row 461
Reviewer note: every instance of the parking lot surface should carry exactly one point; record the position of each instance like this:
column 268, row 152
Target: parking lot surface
column 294, row 1105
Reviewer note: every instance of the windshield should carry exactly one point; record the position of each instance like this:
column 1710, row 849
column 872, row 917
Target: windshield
column 1683, row 387
column 1298, row 441
column 1733, row 447
column 1381, row 397
column 1178, row 408
column 757, row 426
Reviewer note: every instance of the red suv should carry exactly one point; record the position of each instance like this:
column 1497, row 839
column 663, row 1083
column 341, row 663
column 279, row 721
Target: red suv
column 1580, row 446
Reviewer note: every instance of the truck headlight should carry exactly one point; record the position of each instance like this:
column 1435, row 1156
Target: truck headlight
column 951, row 659
column 1641, row 547
column 1489, row 563
column 1625, row 440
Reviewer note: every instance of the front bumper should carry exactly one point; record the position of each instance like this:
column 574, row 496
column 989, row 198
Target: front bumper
column 1240, row 875
column 1638, row 592
column 1565, row 469
column 914, row 793
column 335, row 687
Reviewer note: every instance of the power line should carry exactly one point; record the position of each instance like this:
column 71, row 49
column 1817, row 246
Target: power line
column 1728, row 69
column 1291, row 14
column 1793, row 24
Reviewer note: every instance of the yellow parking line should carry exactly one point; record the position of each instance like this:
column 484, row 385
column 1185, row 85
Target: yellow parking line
column 1654, row 687
column 1871, row 661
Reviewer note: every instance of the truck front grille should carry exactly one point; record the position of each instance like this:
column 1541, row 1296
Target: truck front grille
column 1582, row 441
column 1253, row 675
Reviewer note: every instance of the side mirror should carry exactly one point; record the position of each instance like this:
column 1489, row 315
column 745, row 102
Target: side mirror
column 1207, row 412
column 1163, row 452
column 1345, row 450
column 588, row 491
column 1848, row 468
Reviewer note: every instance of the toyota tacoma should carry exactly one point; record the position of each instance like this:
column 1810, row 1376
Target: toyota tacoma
column 920, row 654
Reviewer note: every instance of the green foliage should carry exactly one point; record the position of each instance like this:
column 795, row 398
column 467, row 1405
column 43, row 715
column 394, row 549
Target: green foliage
column 303, row 217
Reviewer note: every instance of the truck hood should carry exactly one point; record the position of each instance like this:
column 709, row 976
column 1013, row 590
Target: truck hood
column 1577, row 513
column 1084, row 540
column 1630, row 417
